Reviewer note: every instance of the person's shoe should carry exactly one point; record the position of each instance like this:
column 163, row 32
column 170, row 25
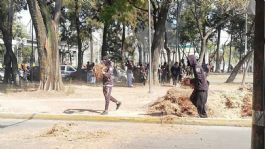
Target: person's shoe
column 203, row 116
column 118, row 105
column 105, row 113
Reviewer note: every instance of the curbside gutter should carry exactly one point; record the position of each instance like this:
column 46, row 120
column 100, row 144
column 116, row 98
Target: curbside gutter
column 145, row 119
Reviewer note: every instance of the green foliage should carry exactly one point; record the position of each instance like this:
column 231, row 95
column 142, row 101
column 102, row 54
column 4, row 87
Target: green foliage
column 19, row 29
column 26, row 53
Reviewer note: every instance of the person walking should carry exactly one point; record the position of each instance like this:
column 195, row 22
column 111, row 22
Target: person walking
column 175, row 72
column 107, row 85
column 200, row 93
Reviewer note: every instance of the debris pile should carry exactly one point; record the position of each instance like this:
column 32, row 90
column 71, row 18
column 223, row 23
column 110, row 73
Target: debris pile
column 175, row 102
column 246, row 108
column 230, row 103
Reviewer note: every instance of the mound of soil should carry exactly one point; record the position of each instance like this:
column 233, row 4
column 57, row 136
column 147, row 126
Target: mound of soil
column 246, row 108
column 175, row 102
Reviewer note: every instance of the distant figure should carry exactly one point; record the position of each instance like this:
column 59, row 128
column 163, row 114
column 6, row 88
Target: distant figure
column 200, row 93
column 175, row 72
column 143, row 73
column 88, row 72
column 107, row 85
column 165, row 72
column 130, row 66
column 93, row 77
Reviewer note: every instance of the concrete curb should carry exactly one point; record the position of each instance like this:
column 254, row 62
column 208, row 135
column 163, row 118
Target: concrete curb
column 146, row 119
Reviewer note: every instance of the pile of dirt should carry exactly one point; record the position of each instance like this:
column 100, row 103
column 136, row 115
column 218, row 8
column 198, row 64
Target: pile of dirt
column 230, row 103
column 71, row 131
column 57, row 130
column 97, row 71
column 246, row 108
column 175, row 102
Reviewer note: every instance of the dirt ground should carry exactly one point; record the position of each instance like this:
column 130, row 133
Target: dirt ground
column 224, row 101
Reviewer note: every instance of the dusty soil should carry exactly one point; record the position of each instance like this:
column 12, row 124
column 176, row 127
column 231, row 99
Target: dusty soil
column 81, row 135
column 224, row 100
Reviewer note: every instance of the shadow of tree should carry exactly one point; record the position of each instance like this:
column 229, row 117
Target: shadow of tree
column 17, row 123
column 72, row 111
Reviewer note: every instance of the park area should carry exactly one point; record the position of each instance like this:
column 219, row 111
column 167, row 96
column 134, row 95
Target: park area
column 225, row 100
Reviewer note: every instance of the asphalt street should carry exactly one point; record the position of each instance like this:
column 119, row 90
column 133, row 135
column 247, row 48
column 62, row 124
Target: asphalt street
column 20, row 134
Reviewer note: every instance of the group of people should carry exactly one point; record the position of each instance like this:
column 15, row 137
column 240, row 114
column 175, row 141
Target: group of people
column 143, row 69
column 24, row 72
column 176, row 72
column 199, row 83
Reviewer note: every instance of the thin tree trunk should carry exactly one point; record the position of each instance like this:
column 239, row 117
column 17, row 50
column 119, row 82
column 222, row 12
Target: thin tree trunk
column 104, row 48
column 91, row 45
column 140, row 53
column 79, row 40
column 245, row 72
column 230, row 54
column 217, row 51
column 167, row 49
column 123, row 45
column 238, row 66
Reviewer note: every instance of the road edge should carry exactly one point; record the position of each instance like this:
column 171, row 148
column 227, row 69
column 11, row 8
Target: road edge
column 144, row 119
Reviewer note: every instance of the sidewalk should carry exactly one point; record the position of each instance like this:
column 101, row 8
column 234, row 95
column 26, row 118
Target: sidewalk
column 86, row 103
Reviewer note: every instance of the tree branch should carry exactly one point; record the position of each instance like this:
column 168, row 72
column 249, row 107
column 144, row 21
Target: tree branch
column 197, row 22
column 57, row 11
column 135, row 6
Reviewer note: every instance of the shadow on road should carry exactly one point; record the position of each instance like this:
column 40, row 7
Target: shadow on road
column 17, row 123
column 73, row 111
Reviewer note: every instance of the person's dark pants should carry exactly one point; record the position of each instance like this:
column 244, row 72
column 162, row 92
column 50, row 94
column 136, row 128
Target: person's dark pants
column 175, row 80
column 107, row 94
column 199, row 99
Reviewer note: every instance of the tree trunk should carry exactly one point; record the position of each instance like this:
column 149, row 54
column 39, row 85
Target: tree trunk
column 46, row 27
column 217, row 68
column 230, row 54
column 104, row 48
column 245, row 72
column 91, row 45
column 140, row 53
column 158, row 38
column 167, row 49
column 79, row 40
column 203, row 50
column 10, row 60
column 223, row 57
column 238, row 66
column 123, row 45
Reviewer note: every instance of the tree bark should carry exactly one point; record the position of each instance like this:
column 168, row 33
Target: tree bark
column 91, row 45
column 10, row 60
column 79, row 40
column 218, row 51
column 140, row 49
column 230, row 54
column 46, row 27
column 158, row 38
column 167, row 49
column 245, row 72
column 123, row 45
column 238, row 66
column 104, row 48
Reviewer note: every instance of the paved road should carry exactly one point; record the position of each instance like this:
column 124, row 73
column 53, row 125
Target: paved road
column 45, row 134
